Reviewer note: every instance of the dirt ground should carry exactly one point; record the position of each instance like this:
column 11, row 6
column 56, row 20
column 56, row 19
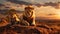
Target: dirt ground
column 38, row 29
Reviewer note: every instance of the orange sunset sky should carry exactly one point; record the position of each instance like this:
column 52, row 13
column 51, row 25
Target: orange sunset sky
column 48, row 12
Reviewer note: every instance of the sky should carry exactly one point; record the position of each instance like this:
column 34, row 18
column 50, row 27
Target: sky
column 41, row 1
column 47, row 12
column 35, row 1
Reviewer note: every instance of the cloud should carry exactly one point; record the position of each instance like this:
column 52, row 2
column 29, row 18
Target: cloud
column 32, row 2
column 55, row 5
column 1, row 5
column 19, row 2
